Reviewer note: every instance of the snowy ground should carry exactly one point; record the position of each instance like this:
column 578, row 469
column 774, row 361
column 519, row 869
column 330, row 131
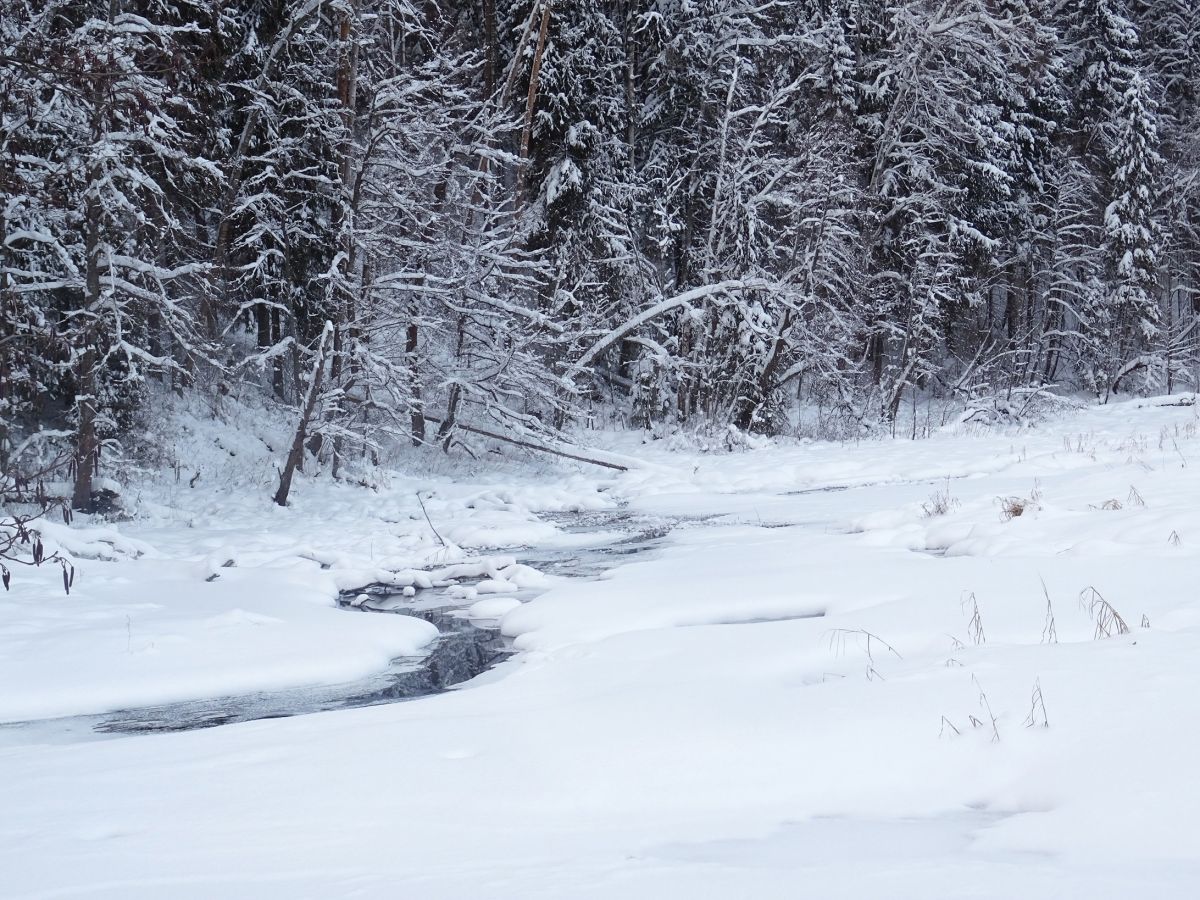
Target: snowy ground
column 835, row 682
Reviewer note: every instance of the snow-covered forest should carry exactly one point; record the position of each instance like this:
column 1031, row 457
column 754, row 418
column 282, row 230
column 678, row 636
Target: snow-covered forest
column 599, row 449
column 514, row 214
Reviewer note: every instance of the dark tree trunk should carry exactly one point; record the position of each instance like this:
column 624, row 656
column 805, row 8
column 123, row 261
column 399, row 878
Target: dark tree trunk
column 277, row 361
column 490, row 53
column 86, row 443
column 531, row 103
column 447, row 427
column 414, row 370
column 86, row 439
column 296, row 454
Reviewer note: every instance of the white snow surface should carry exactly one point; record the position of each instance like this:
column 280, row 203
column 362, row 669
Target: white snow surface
column 854, row 673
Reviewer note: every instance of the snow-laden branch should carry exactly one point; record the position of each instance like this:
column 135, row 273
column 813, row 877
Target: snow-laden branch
column 665, row 306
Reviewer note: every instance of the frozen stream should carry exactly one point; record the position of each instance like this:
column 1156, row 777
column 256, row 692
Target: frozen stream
column 464, row 649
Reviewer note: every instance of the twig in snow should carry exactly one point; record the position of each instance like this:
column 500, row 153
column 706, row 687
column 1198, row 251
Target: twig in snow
column 1049, row 630
column 430, row 521
column 1108, row 620
column 975, row 626
column 837, row 637
column 987, row 707
column 1037, row 708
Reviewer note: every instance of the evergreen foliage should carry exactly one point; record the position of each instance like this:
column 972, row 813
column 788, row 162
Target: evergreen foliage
column 515, row 211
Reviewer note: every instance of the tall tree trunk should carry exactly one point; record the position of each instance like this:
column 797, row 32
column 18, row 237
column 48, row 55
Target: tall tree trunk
column 417, row 405
column 531, row 104
column 631, row 59
column 262, row 325
column 8, row 316
column 277, row 361
column 87, row 445
column 490, row 48
column 344, row 335
column 296, row 454
column 446, row 429
column 86, row 440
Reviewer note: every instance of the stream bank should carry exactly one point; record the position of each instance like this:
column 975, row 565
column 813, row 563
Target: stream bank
column 465, row 647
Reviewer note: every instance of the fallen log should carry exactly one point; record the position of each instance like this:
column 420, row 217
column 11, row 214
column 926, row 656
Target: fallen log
column 529, row 445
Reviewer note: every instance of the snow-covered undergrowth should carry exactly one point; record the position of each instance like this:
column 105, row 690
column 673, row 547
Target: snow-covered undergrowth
column 207, row 588
column 964, row 666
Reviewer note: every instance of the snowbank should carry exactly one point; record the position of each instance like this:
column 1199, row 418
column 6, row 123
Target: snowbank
column 901, row 689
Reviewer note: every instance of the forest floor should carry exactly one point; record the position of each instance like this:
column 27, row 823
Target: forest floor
column 965, row 666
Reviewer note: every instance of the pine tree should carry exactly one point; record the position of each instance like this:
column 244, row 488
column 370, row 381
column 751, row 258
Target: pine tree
column 1115, row 136
column 1170, row 32
column 115, row 278
column 1131, row 230
column 580, row 186
column 940, row 167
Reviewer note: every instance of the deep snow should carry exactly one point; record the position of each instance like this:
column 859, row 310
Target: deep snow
column 823, row 686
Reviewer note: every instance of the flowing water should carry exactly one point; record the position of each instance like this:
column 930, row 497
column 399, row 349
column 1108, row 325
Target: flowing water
column 464, row 648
